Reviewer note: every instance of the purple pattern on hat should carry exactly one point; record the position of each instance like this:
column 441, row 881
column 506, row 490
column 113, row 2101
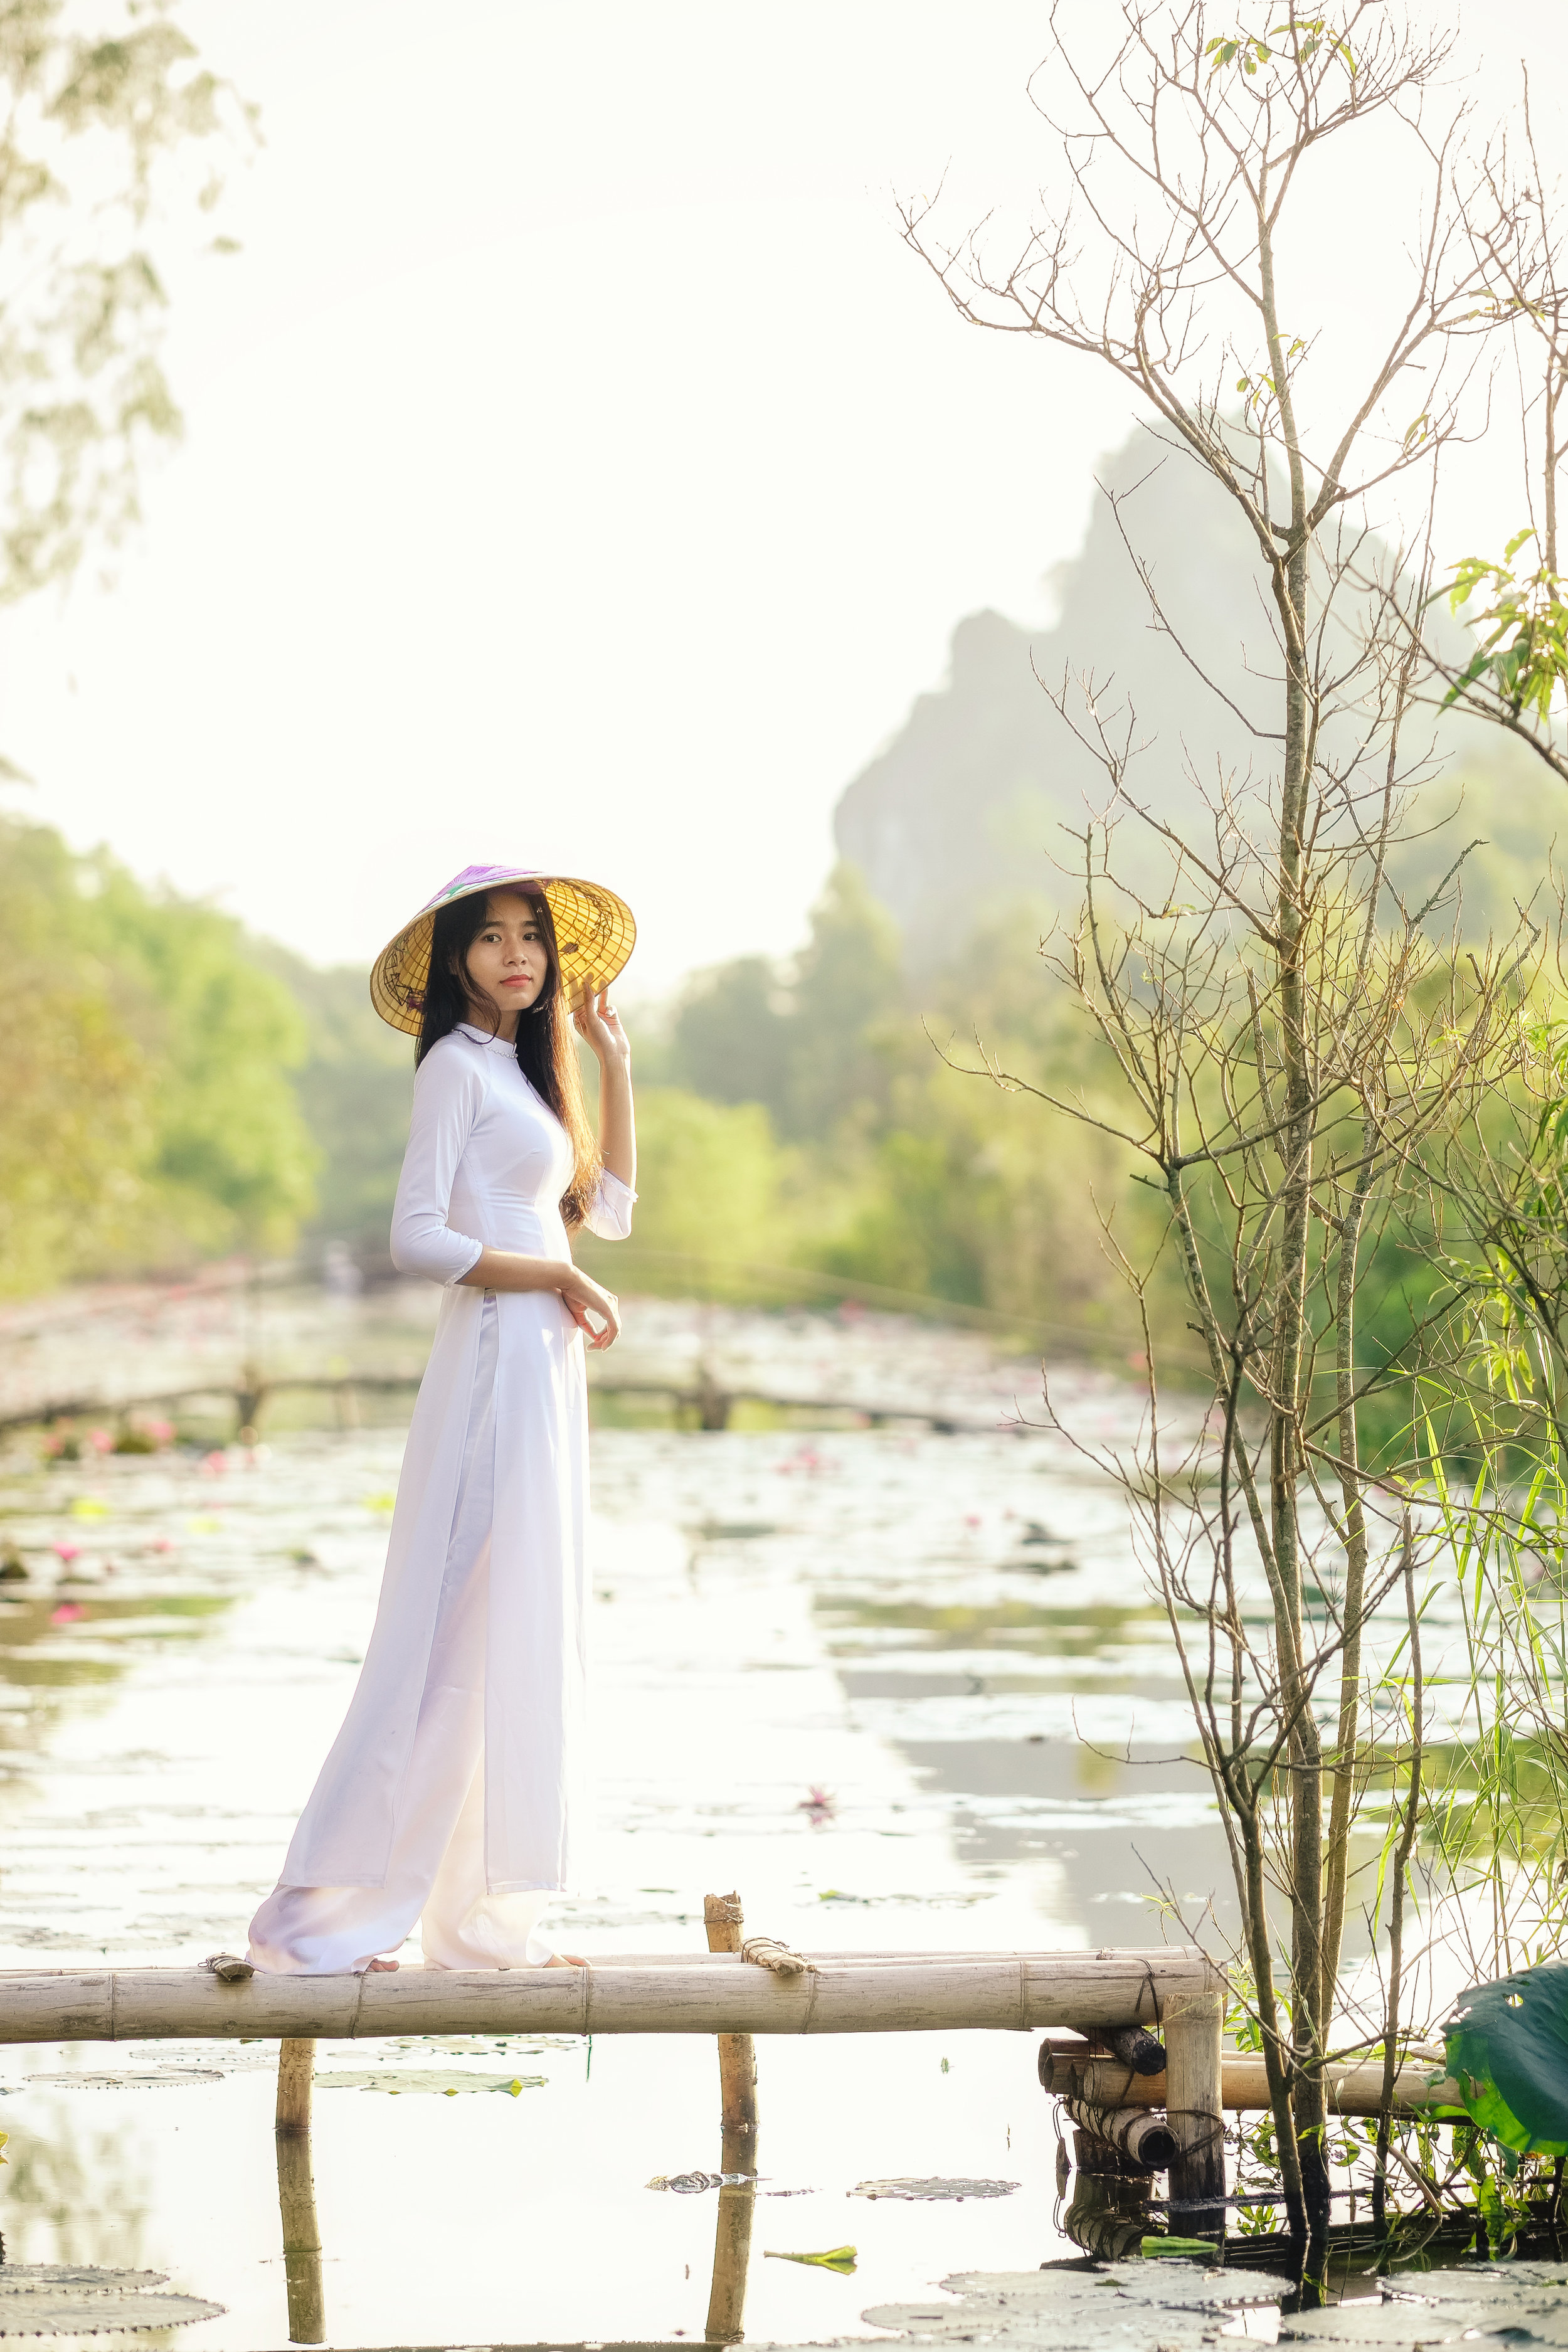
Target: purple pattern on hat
column 480, row 877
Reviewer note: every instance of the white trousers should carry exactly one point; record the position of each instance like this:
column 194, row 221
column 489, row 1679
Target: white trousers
column 437, row 1870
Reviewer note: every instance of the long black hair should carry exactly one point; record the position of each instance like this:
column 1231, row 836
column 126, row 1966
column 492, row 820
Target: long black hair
column 546, row 1053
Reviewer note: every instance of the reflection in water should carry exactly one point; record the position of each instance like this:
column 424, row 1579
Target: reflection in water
column 301, row 2239
column 731, row 2244
column 1109, row 2217
column 86, row 2183
column 297, row 2192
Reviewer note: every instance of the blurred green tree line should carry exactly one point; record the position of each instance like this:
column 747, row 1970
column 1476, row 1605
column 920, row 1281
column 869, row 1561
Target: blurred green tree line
column 804, row 1115
column 176, row 1088
column 147, row 1072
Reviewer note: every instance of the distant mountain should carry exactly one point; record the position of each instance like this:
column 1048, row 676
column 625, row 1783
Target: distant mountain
column 965, row 807
column 966, row 810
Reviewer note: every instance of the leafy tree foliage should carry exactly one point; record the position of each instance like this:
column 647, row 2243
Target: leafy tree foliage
column 102, row 108
column 713, row 1184
column 885, row 1167
column 811, row 1043
column 353, row 1088
column 145, row 1064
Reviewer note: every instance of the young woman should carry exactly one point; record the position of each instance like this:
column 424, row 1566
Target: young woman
column 449, row 1794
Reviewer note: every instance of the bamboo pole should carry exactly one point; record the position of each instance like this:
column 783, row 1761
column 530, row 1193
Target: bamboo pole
column 1244, row 2084
column 713, row 1993
column 724, row 1920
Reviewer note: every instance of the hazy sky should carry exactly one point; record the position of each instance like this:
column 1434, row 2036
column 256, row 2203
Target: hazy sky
column 579, row 470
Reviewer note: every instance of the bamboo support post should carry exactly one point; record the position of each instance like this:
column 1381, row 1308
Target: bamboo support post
column 724, row 1920
column 296, row 2080
column 1192, row 2024
column 296, row 2194
column 1138, row 2134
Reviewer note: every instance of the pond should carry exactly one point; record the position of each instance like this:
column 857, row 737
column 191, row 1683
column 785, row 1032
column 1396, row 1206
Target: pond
column 902, row 1689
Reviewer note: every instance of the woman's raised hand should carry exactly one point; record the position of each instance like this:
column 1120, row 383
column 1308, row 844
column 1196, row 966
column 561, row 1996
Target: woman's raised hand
column 584, row 1298
column 597, row 1020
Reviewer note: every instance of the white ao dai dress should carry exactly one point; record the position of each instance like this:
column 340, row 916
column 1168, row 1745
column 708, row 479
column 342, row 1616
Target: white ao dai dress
column 451, row 1794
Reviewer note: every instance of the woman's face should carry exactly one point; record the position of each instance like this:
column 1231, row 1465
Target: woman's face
column 508, row 961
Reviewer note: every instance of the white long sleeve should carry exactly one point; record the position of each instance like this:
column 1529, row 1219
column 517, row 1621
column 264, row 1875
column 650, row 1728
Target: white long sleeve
column 610, row 1209
column 450, row 1090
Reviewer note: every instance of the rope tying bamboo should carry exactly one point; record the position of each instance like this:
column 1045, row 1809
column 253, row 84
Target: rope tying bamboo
column 767, row 1952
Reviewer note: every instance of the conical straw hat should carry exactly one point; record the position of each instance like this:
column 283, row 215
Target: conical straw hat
column 594, row 931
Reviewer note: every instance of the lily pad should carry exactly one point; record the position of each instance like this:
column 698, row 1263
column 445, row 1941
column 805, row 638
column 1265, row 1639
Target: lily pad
column 446, row 2086
column 69, row 2299
column 489, row 2046
column 1402, row 2326
column 935, row 2191
column 166, row 2078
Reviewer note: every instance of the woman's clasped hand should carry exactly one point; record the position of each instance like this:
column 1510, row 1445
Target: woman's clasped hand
column 583, row 1299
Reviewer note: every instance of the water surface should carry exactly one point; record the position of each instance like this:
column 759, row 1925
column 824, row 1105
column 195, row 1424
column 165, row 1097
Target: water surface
column 902, row 1689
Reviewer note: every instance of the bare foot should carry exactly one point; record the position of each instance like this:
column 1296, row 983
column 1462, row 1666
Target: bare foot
column 375, row 1967
column 565, row 1961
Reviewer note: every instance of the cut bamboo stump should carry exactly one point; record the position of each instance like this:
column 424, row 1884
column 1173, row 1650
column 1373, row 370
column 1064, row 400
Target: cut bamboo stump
column 725, row 1923
column 1143, row 2052
column 1140, row 2134
column 841, row 1992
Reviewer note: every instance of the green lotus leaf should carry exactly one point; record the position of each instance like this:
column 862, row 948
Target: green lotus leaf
column 1507, row 2046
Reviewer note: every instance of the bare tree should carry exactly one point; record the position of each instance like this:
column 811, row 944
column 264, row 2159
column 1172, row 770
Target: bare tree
column 1516, row 671
column 1293, row 1036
